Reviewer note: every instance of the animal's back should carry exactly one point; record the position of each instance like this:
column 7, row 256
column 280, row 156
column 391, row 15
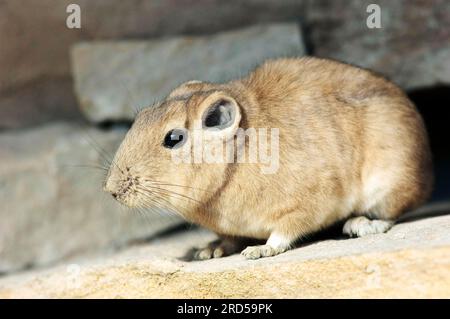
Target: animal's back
column 346, row 129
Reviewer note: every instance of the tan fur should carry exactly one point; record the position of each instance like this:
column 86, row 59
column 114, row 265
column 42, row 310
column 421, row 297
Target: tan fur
column 350, row 143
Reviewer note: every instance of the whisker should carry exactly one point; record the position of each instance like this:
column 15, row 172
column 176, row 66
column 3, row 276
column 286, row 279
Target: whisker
column 148, row 194
column 134, row 104
column 175, row 185
column 102, row 152
column 143, row 215
column 157, row 199
column 168, row 192
column 167, row 214
column 97, row 147
column 87, row 166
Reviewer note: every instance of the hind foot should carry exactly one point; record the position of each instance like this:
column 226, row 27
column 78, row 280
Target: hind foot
column 222, row 247
column 362, row 226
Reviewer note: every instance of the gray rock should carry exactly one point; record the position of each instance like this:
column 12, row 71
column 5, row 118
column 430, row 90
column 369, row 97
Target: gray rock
column 36, row 41
column 412, row 47
column 53, row 207
column 38, row 103
column 35, row 79
column 113, row 78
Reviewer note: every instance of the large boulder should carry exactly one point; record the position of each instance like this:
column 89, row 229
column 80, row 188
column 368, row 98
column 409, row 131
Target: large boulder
column 412, row 47
column 112, row 79
column 53, row 206
column 35, row 41
column 35, row 85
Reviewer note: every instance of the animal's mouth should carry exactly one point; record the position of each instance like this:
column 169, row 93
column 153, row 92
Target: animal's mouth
column 124, row 198
column 124, row 191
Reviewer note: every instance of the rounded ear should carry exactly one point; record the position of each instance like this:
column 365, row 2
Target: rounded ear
column 184, row 88
column 220, row 115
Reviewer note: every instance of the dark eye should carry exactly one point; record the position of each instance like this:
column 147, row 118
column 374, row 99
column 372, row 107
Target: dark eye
column 175, row 138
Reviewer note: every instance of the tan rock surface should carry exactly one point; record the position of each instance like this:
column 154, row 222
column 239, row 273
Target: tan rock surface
column 412, row 261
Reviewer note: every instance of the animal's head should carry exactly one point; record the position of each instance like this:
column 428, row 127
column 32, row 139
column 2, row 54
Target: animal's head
column 163, row 160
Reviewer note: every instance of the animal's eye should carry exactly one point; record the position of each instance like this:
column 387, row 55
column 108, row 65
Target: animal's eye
column 175, row 138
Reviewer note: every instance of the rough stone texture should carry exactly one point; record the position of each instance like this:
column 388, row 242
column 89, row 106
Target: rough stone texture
column 53, row 207
column 112, row 78
column 35, row 40
column 39, row 102
column 411, row 261
column 412, row 47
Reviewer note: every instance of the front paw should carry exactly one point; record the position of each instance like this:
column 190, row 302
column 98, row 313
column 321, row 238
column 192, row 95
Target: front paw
column 256, row 252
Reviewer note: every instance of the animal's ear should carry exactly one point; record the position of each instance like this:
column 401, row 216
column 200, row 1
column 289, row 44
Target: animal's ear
column 220, row 115
column 184, row 88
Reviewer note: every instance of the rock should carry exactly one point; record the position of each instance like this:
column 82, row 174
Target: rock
column 412, row 47
column 36, row 41
column 113, row 78
column 39, row 103
column 52, row 206
column 410, row 261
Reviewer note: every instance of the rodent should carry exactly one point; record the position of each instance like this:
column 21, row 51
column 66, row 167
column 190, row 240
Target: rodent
column 352, row 147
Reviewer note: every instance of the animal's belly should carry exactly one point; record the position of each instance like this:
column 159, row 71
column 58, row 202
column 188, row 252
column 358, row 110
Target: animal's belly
column 244, row 227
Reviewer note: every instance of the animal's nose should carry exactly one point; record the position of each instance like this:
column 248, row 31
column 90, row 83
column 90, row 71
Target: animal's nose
column 113, row 192
column 108, row 187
